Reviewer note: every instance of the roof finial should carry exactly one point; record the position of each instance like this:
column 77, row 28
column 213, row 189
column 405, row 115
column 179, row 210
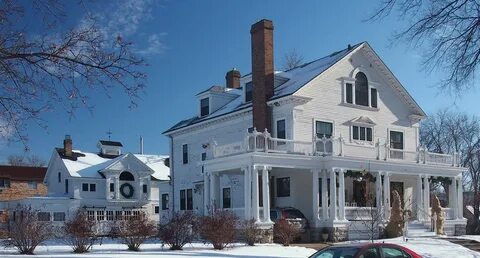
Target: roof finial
column 109, row 133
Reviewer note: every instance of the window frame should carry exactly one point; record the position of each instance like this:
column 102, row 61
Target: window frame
column 66, row 186
column 32, row 185
column 203, row 107
column 185, row 153
column 390, row 138
column 59, row 216
column 357, row 90
column 227, row 201
column 156, row 209
column 145, row 188
column 165, row 201
column 324, row 121
column 85, row 189
column 284, row 128
column 46, row 213
column 371, row 86
column 279, row 185
column 92, row 187
column 111, row 187
column 189, row 199
column 358, row 133
column 183, row 199
column 248, row 93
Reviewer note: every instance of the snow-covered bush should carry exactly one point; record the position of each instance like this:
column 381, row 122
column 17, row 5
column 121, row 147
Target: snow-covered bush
column 135, row 230
column 219, row 228
column 27, row 230
column 79, row 232
column 179, row 231
column 285, row 232
column 251, row 232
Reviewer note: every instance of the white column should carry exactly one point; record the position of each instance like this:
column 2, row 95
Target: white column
column 107, row 188
column 386, row 195
column 378, row 191
column 117, row 187
column 419, row 198
column 266, row 195
column 213, row 198
column 139, row 188
column 255, row 202
column 453, row 197
column 247, row 192
column 315, row 197
column 426, row 197
column 460, row 198
column 341, row 194
column 333, row 195
column 324, row 195
column 206, row 193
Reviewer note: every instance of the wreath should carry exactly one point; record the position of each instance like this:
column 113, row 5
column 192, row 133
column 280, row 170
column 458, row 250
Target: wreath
column 129, row 193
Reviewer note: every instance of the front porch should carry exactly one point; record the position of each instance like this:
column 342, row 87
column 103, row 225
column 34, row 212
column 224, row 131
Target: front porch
column 362, row 188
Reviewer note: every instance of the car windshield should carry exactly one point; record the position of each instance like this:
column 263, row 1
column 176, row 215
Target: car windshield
column 336, row 252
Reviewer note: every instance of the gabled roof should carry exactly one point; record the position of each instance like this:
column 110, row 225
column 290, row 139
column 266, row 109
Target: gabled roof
column 292, row 79
column 22, row 173
column 111, row 143
column 90, row 164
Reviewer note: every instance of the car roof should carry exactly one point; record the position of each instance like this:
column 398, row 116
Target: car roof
column 362, row 245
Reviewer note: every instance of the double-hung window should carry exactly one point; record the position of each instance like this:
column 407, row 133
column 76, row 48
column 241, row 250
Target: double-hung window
column 204, row 107
column 396, row 145
column 185, row 153
column 323, row 129
column 164, row 201
column 283, row 187
column 248, row 91
column 226, row 198
column 186, row 199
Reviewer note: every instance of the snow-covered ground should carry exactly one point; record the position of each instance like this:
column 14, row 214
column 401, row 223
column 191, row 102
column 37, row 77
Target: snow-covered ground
column 427, row 247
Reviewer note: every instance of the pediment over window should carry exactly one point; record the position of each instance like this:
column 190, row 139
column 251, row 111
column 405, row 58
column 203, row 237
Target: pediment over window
column 363, row 120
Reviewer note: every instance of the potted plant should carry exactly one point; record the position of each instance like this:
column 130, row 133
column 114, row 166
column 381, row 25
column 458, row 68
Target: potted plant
column 325, row 232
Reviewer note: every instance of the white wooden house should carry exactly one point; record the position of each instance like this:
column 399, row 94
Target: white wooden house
column 110, row 185
column 287, row 138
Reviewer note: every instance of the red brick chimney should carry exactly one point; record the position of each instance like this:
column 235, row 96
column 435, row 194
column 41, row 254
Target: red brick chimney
column 262, row 73
column 233, row 79
column 67, row 146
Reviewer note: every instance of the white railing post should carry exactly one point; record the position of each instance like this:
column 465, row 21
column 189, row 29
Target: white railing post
column 314, row 139
column 419, row 149
column 265, row 136
column 255, row 133
column 459, row 154
column 377, row 147
column 425, row 153
column 387, row 151
column 340, row 139
column 453, row 158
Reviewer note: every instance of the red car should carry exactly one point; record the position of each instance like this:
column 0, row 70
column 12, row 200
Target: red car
column 365, row 250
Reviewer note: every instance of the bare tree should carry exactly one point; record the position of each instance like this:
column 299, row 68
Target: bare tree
column 59, row 67
column 449, row 132
column 27, row 230
column 29, row 161
column 79, row 232
column 135, row 230
column 448, row 33
column 291, row 60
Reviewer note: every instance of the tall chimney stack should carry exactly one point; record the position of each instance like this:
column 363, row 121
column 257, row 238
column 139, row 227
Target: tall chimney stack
column 67, row 146
column 262, row 73
column 233, row 79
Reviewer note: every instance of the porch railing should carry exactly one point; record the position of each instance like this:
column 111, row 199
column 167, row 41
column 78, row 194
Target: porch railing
column 331, row 146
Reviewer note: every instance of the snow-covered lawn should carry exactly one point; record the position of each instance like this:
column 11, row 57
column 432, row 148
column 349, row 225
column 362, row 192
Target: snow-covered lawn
column 427, row 247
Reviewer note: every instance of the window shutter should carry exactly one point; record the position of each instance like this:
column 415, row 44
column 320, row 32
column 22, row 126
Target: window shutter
column 373, row 96
column 349, row 93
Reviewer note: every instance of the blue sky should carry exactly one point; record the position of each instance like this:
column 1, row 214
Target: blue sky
column 190, row 45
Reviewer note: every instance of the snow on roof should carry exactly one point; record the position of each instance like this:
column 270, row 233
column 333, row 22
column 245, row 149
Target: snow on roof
column 157, row 164
column 90, row 165
column 292, row 79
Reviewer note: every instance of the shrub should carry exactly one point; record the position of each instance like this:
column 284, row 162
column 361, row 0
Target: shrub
column 219, row 228
column 79, row 232
column 135, row 230
column 27, row 231
column 179, row 231
column 285, row 232
column 251, row 232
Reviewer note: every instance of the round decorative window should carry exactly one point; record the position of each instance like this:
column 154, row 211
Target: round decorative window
column 126, row 190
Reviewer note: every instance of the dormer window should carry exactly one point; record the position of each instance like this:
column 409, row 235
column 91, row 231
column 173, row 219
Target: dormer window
column 204, row 106
column 248, row 91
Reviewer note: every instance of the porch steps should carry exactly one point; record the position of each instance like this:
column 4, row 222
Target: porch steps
column 418, row 229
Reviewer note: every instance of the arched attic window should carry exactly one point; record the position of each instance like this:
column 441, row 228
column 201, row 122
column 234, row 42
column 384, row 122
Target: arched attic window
column 126, row 176
column 361, row 89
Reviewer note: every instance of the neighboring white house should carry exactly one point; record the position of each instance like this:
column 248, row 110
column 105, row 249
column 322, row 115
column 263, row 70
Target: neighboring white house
column 294, row 135
column 108, row 184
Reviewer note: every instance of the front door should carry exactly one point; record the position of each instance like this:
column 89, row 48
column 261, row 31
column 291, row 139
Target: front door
column 398, row 186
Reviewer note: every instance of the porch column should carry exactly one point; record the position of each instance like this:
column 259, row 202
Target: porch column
column 341, row 194
column 419, row 198
column 315, row 197
column 206, row 193
column 452, row 199
column 378, row 191
column 459, row 198
column 426, row 196
column 247, row 191
column 212, row 203
column 386, row 195
column 139, row 188
column 107, row 188
column 324, row 195
column 255, row 203
column 333, row 195
column 266, row 194
column 117, row 187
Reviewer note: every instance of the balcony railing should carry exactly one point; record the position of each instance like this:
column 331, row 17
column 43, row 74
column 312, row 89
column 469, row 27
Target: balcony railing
column 264, row 142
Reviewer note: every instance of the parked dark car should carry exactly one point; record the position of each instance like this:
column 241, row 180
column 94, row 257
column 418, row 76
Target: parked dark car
column 365, row 250
column 291, row 214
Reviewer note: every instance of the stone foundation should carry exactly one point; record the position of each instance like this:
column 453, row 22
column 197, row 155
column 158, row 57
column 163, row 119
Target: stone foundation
column 460, row 230
column 266, row 236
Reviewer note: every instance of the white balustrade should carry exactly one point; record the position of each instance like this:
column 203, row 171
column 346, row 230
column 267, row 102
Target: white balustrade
column 331, row 146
